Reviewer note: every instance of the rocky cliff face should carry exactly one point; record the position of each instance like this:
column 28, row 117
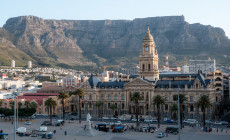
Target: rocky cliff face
column 90, row 42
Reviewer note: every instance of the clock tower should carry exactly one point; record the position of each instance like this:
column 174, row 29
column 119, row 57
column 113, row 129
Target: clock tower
column 148, row 59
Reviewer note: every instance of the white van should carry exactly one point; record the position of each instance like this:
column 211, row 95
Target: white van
column 192, row 121
column 43, row 129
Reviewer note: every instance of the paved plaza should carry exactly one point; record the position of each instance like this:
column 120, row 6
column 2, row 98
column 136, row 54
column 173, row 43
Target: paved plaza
column 188, row 133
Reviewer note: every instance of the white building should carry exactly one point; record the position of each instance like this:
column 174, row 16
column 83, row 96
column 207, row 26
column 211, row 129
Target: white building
column 12, row 64
column 185, row 69
column 29, row 64
column 71, row 81
column 206, row 66
column 129, row 71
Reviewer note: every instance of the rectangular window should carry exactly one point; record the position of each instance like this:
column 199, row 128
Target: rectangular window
column 166, row 98
column 175, row 98
column 123, row 105
column 108, row 105
column 166, row 107
column 90, row 97
column 191, row 98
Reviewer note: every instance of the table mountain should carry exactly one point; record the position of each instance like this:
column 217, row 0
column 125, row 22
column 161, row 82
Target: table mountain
column 103, row 42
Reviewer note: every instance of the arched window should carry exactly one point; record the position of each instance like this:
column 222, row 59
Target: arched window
column 149, row 68
column 143, row 67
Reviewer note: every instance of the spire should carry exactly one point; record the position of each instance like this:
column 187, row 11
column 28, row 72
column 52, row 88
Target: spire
column 148, row 36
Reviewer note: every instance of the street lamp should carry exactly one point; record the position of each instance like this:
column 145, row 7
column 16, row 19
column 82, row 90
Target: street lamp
column 16, row 95
column 178, row 113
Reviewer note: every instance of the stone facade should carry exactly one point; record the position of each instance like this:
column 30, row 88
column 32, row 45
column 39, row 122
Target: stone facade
column 150, row 83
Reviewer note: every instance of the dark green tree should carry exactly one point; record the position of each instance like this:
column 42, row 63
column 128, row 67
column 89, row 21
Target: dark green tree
column 174, row 110
column 27, row 104
column 158, row 101
column 182, row 99
column 113, row 107
column 98, row 106
column 136, row 97
column 204, row 102
column 80, row 93
column 50, row 103
column 63, row 95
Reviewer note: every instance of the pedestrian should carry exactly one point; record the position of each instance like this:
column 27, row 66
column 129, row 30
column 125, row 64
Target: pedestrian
column 54, row 131
column 166, row 134
column 226, row 131
column 65, row 133
column 12, row 123
column 217, row 130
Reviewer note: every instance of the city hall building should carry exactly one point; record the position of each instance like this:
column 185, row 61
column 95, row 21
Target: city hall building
column 150, row 83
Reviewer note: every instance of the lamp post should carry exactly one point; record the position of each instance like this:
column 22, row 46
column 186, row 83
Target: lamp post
column 15, row 114
column 178, row 113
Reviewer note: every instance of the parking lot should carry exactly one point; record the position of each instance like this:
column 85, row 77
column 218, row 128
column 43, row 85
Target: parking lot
column 71, row 128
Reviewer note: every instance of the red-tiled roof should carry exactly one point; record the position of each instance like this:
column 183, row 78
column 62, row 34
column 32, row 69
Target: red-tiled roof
column 38, row 99
column 41, row 94
column 52, row 88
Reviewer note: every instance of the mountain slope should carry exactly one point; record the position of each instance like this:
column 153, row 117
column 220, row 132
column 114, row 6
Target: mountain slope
column 103, row 42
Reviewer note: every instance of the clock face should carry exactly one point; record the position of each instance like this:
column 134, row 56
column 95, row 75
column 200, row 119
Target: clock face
column 146, row 49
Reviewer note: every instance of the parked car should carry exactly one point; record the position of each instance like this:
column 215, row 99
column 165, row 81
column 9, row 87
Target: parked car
column 105, row 118
column 150, row 120
column 122, row 119
column 218, row 123
column 134, row 119
column 224, row 123
column 160, row 135
column 191, row 121
column 47, row 123
column 54, row 115
column 147, row 120
column 44, row 115
column 28, row 123
column 169, row 121
column 112, row 118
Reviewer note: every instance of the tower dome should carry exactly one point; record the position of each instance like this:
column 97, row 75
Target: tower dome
column 148, row 36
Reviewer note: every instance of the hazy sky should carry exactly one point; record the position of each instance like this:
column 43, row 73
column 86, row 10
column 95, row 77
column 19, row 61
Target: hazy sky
column 207, row 12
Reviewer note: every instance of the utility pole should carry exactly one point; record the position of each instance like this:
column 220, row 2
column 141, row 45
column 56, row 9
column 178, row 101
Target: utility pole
column 178, row 113
column 15, row 113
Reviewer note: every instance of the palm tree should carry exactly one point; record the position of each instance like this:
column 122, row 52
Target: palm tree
column 50, row 103
column 12, row 104
column 80, row 93
column 1, row 102
column 27, row 104
column 136, row 97
column 33, row 105
column 182, row 99
column 204, row 102
column 98, row 105
column 63, row 96
column 158, row 101
column 19, row 105
column 113, row 107
column 174, row 110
